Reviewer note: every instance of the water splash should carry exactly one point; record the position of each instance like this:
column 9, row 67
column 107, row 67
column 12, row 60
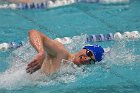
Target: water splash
column 77, row 43
column 13, row 77
column 16, row 77
column 120, row 53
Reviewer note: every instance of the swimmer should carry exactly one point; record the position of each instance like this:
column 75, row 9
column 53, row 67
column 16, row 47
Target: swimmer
column 51, row 53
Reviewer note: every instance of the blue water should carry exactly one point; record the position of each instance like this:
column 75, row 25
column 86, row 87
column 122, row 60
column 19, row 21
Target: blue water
column 118, row 72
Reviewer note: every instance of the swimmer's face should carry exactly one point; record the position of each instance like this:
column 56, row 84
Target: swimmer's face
column 84, row 57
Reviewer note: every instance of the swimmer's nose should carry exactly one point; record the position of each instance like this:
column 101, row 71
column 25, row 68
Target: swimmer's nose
column 83, row 58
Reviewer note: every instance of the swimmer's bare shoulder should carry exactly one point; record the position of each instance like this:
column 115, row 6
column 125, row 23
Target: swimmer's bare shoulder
column 58, row 43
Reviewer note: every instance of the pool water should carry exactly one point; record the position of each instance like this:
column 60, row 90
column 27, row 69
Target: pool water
column 117, row 73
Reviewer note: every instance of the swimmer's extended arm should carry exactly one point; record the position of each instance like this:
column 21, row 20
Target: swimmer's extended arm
column 41, row 43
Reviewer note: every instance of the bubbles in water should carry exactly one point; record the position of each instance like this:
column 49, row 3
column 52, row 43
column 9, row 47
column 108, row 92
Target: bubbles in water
column 13, row 77
column 23, row 54
column 120, row 54
column 77, row 43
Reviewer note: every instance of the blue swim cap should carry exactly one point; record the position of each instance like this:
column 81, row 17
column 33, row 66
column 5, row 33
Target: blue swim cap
column 97, row 50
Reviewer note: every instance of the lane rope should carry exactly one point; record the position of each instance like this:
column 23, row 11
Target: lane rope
column 90, row 38
column 57, row 3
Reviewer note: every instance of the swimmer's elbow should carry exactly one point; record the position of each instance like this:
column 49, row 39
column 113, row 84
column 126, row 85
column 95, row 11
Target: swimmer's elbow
column 31, row 32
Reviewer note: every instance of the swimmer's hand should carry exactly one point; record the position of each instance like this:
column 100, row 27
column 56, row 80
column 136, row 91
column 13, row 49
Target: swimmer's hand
column 36, row 63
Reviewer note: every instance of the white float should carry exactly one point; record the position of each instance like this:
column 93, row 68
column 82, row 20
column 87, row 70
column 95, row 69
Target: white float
column 118, row 36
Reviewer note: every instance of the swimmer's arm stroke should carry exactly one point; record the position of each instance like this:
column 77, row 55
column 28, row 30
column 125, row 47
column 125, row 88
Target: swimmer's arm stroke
column 41, row 43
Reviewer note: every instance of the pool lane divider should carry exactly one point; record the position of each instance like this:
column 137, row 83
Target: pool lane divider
column 90, row 38
column 41, row 5
column 57, row 3
column 10, row 46
column 104, row 37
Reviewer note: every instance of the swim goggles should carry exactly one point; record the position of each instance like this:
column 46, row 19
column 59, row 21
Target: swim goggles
column 90, row 54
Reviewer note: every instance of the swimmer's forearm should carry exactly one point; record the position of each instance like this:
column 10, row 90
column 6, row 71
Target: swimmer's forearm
column 36, row 40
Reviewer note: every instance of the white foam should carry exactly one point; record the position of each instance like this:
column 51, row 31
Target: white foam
column 14, row 78
column 65, row 40
column 76, row 40
column 120, row 54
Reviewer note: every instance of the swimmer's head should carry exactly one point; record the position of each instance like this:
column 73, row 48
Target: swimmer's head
column 89, row 54
column 97, row 51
